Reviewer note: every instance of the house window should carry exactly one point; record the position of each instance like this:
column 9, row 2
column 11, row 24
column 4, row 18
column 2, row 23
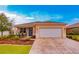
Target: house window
column 22, row 30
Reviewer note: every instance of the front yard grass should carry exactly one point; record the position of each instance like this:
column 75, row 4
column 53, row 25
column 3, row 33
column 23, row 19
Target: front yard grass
column 14, row 49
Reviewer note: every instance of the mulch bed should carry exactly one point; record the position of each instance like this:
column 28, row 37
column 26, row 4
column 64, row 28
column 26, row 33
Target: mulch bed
column 20, row 42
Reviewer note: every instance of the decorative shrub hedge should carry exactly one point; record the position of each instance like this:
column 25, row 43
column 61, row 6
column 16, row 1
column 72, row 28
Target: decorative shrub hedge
column 10, row 37
column 15, row 37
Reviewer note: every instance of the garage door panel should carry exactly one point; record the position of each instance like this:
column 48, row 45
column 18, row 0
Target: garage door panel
column 50, row 32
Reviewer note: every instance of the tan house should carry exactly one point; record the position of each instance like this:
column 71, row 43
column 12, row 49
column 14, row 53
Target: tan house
column 42, row 29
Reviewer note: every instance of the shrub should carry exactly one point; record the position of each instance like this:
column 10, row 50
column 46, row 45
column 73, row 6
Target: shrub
column 28, row 37
column 3, row 37
column 69, row 36
column 14, row 38
column 9, row 37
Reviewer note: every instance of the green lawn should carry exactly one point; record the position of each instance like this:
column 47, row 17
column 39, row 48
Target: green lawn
column 14, row 49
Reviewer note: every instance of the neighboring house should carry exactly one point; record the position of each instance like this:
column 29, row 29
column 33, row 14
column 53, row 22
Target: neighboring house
column 73, row 29
column 42, row 29
column 5, row 33
column 73, row 25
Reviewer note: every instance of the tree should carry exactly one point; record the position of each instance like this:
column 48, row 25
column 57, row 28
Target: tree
column 5, row 23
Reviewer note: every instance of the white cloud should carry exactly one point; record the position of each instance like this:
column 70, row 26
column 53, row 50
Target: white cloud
column 23, row 19
column 8, row 14
column 45, row 17
column 35, row 16
column 18, row 19
column 57, row 17
column 73, row 21
column 29, row 17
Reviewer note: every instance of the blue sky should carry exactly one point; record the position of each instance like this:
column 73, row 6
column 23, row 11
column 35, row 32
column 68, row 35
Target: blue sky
column 29, row 13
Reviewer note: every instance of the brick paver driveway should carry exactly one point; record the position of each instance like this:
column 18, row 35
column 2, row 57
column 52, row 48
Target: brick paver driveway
column 54, row 46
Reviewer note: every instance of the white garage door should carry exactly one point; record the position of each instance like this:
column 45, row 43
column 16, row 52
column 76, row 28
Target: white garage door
column 50, row 32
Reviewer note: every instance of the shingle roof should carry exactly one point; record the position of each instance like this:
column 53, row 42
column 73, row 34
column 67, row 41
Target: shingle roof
column 73, row 25
column 32, row 23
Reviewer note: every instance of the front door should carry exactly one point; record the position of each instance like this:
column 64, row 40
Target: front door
column 30, row 31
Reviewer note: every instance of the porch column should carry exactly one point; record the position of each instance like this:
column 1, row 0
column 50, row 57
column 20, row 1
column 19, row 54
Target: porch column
column 34, row 30
column 27, row 31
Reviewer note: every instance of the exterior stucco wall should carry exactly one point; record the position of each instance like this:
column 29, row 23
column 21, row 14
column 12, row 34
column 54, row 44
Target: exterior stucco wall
column 34, row 31
column 15, row 30
column 37, row 26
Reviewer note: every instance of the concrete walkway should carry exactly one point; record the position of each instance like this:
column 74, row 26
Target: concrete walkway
column 55, row 46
